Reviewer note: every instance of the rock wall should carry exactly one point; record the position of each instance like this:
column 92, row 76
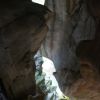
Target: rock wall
column 74, row 21
column 70, row 24
column 22, row 29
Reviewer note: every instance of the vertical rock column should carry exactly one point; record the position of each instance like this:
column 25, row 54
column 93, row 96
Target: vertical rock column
column 71, row 24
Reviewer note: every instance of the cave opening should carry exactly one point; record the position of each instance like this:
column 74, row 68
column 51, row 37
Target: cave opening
column 67, row 36
column 48, row 69
column 45, row 79
column 42, row 2
column 61, row 46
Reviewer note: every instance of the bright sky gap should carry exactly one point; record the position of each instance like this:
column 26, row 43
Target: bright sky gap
column 39, row 1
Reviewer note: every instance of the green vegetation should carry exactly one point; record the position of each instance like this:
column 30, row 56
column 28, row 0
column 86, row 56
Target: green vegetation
column 47, row 88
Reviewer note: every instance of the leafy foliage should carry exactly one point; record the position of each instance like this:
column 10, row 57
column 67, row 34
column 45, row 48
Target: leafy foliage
column 46, row 86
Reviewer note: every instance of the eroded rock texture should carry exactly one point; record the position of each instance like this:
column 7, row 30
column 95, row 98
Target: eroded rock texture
column 22, row 29
column 68, row 27
column 73, row 22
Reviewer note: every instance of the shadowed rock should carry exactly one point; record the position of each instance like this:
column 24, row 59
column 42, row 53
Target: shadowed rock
column 22, row 30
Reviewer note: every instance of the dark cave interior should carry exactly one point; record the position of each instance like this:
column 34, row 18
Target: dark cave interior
column 66, row 32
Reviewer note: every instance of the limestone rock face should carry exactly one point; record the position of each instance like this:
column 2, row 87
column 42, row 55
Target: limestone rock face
column 22, row 29
column 94, row 6
column 88, row 86
column 72, row 23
